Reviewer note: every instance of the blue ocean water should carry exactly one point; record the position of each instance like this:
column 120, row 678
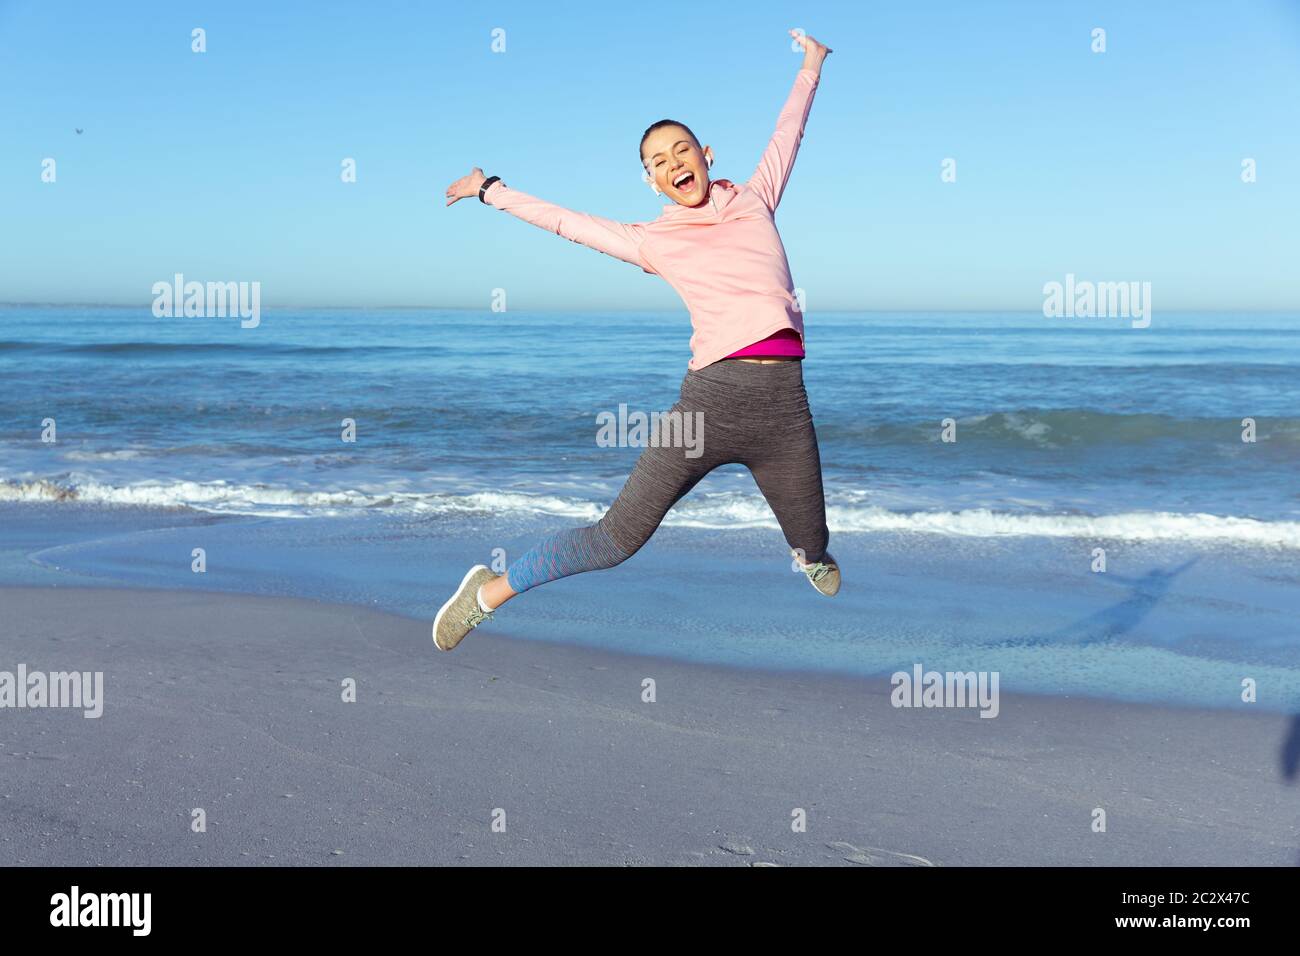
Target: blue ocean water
column 477, row 430
column 1057, row 420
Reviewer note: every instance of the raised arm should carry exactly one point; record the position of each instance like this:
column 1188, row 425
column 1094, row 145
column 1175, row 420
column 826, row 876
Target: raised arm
column 622, row 240
column 774, row 168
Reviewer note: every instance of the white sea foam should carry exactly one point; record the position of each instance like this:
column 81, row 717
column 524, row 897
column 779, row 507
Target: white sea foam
column 714, row 512
column 224, row 498
column 1127, row 526
column 125, row 454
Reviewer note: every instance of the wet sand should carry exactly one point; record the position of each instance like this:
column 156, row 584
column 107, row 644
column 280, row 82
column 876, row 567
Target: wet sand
column 235, row 705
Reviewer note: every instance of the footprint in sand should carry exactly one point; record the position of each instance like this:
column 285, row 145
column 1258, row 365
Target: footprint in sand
column 736, row 848
column 874, row 856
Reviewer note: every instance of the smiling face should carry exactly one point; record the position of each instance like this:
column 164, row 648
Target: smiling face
column 679, row 167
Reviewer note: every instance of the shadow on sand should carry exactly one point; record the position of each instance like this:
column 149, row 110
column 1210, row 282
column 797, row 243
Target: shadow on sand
column 1111, row 623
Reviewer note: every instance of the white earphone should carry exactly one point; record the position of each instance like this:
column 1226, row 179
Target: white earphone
column 655, row 186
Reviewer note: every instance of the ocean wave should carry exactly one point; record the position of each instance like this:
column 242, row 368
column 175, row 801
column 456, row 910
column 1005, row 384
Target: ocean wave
column 1136, row 526
column 189, row 348
column 713, row 512
column 221, row 497
column 216, row 497
column 1061, row 428
column 119, row 455
column 1127, row 526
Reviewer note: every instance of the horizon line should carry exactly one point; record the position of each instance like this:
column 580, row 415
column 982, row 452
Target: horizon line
column 623, row 309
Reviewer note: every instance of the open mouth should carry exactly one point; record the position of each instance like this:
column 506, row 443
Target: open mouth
column 684, row 183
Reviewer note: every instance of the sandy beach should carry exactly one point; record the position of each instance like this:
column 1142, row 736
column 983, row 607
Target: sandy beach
column 234, row 705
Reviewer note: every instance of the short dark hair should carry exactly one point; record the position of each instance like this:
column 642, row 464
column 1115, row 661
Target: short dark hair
column 660, row 125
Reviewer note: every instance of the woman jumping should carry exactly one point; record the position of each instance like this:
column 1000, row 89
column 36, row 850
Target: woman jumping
column 718, row 247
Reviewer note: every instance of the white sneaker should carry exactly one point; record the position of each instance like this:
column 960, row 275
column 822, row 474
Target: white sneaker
column 461, row 614
column 824, row 575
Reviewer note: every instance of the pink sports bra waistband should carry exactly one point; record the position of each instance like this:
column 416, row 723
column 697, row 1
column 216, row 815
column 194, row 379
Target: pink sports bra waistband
column 783, row 342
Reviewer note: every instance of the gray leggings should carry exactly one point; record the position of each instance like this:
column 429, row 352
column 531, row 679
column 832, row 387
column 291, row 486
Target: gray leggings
column 753, row 414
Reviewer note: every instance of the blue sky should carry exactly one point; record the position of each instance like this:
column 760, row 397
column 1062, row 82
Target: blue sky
column 225, row 165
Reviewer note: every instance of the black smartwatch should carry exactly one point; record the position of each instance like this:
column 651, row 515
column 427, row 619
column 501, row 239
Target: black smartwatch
column 484, row 188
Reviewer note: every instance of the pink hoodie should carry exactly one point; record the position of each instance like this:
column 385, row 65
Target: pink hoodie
column 733, row 277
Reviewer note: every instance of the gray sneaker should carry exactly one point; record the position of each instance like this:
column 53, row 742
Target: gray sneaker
column 824, row 575
column 461, row 614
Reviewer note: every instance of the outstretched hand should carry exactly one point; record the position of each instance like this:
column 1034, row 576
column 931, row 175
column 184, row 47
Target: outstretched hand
column 813, row 52
column 466, row 186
